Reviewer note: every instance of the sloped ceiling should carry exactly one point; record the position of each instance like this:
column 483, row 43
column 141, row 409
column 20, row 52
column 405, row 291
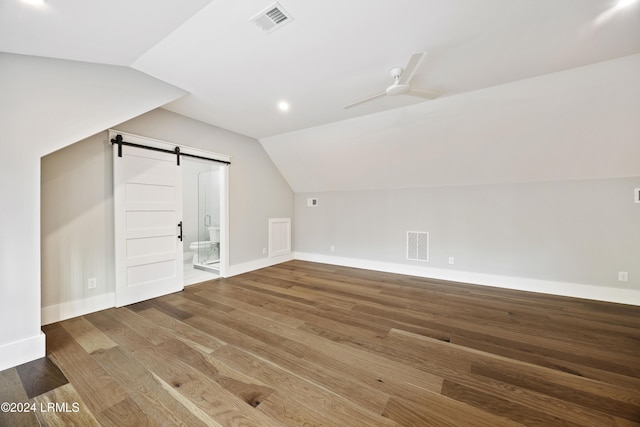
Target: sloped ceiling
column 334, row 53
column 337, row 52
column 576, row 124
column 112, row 32
column 331, row 54
column 47, row 104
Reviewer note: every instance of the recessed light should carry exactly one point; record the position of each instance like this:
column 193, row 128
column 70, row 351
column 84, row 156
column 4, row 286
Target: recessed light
column 283, row 106
column 35, row 2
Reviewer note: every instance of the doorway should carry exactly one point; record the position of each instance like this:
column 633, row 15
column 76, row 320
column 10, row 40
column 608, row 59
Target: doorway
column 202, row 212
column 196, row 223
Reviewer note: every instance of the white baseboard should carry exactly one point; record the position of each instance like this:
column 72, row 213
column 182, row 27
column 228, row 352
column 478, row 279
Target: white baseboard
column 575, row 290
column 23, row 351
column 67, row 310
column 246, row 267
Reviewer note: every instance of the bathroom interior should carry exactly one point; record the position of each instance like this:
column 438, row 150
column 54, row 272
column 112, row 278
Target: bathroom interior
column 201, row 220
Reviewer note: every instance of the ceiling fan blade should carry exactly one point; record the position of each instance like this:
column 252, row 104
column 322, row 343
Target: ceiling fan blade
column 411, row 68
column 362, row 101
column 423, row 94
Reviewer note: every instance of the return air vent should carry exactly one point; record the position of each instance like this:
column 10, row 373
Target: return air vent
column 272, row 18
column 418, row 246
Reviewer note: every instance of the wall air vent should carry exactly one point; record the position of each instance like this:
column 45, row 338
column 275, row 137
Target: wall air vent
column 272, row 18
column 418, row 246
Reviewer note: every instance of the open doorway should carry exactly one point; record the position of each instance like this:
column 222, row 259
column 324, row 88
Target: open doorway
column 203, row 219
column 192, row 219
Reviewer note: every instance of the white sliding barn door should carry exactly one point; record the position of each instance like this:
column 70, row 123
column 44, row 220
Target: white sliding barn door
column 148, row 211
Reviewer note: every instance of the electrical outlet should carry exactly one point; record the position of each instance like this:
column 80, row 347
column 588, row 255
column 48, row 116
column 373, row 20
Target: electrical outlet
column 92, row 283
column 451, row 260
column 264, row 251
column 332, row 248
column 623, row 276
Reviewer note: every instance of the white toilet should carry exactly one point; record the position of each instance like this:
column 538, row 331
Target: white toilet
column 207, row 249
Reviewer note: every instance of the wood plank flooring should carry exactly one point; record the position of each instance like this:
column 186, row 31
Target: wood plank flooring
column 305, row 344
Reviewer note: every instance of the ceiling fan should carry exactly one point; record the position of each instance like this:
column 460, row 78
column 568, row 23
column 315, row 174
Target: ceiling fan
column 401, row 82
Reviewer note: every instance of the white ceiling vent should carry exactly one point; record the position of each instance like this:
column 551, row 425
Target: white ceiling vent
column 272, row 18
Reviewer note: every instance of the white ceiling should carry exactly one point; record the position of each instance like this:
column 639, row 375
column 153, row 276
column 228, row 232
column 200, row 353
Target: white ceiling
column 575, row 124
column 333, row 53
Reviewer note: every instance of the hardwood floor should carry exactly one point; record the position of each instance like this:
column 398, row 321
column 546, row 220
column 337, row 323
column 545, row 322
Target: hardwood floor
column 304, row 344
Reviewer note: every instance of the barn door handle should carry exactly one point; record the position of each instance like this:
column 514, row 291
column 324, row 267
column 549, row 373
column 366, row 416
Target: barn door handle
column 180, row 227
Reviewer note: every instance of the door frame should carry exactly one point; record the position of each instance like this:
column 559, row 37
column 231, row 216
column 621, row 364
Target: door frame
column 224, row 185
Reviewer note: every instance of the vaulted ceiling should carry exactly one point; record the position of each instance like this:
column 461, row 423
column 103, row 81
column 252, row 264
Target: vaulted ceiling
column 332, row 53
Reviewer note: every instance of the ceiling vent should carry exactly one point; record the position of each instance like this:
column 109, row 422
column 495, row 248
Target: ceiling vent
column 272, row 18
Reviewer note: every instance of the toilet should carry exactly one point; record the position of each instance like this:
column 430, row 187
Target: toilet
column 208, row 249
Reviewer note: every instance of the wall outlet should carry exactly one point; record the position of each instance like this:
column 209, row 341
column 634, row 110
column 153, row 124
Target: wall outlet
column 264, row 251
column 312, row 201
column 332, row 248
column 451, row 260
column 92, row 282
column 623, row 276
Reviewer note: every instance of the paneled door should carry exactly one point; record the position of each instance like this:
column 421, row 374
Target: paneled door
column 148, row 224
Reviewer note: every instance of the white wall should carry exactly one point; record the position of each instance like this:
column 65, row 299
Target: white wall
column 77, row 228
column 77, row 206
column 47, row 104
column 257, row 189
column 20, row 338
column 566, row 237
column 527, row 185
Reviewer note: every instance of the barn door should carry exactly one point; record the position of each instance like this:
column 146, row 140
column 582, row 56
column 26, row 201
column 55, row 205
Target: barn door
column 148, row 224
